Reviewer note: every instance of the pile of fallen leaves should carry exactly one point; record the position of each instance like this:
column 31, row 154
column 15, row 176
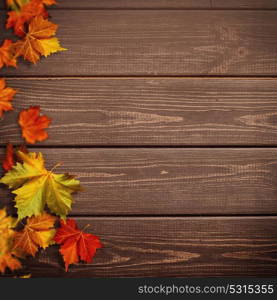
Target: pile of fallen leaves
column 28, row 19
column 43, row 199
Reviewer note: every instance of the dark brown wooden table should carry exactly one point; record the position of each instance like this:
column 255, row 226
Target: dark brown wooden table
column 167, row 112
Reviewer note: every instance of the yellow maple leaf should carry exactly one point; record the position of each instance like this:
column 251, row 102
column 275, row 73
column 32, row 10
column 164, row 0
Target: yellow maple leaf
column 38, row 41
column 36, row 187
column 8, row 257
column 6, row 222
column 50, row 46
column 26, row 276
column 38, row 232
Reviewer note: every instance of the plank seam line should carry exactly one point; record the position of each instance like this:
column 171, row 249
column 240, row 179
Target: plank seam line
column 110, row 76
column 157, row 9
column 173, row 215
column 261, row 147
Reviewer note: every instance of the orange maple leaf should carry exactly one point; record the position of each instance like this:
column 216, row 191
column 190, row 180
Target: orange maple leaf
column 76, row 244
column 6, row 96
column 9, row 261
column 7, row 257
column 38, row 232
column 38, row 41
column 49, row 2
column 6, row 57
column 33, row 125
column 18, row 19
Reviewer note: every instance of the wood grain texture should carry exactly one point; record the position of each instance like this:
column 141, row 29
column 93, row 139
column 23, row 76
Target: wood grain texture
column 164, row 4
column 169, row 181
column 142, row 4
column 250, row 4
column 160, row 42
column 170, row 247
column 144, row 111
column 140, row 200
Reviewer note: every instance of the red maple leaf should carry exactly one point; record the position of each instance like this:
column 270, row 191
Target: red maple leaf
column 76, row 244
column 8, row 162
column 11, row 158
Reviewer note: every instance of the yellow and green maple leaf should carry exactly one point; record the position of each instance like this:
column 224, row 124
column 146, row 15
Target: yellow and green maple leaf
column 35, row 187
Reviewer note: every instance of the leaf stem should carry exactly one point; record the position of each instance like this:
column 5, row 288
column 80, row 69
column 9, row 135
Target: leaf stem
column 85, row 227
column 56, row 165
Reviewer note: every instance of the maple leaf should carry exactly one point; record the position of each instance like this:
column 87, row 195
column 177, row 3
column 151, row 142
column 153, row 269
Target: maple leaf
column 6, row 96
column 76, row 244
column 49, row 2
column 26, row 276
column 6, row 222
column 39, row 40
column 16, row 4
column 36, row 187
column 18, row 18
column 33, row 125
column 6, row 57
column 11, row 159
column 8, row 257
column 8, row 162
column 38, row 232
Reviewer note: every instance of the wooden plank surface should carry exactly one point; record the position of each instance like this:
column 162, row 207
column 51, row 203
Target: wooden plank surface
column 160, row 42
column 164, row 4
column 147, row 111
column 183, row 247
column 148, row 204
column 169, row 181
column 130, row 4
